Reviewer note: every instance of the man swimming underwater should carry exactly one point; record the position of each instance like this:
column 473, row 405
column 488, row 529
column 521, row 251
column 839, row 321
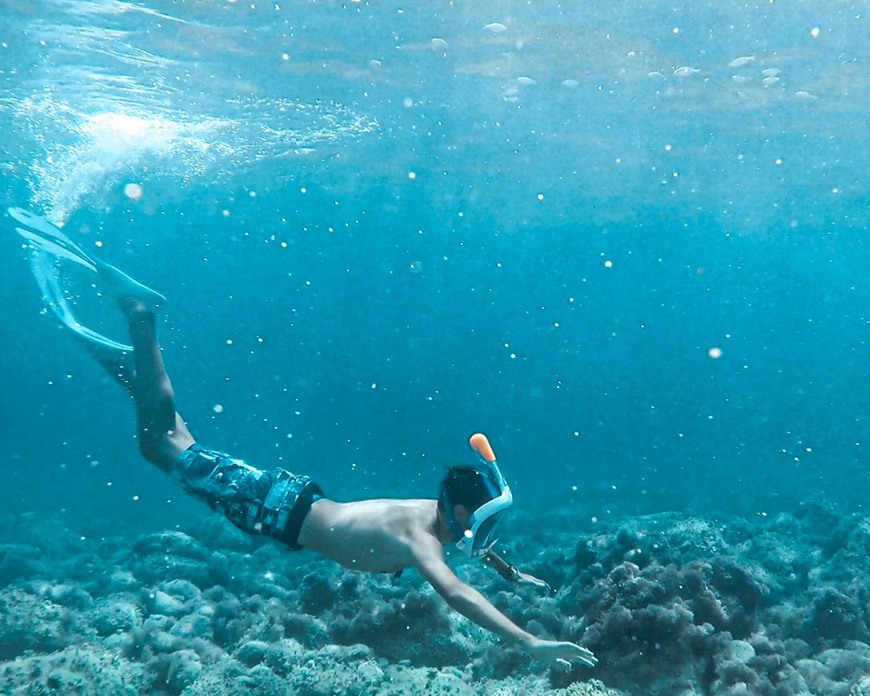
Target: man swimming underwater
column 381, row 535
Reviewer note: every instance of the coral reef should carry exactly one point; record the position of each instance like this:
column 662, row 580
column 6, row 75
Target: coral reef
column 670, row 603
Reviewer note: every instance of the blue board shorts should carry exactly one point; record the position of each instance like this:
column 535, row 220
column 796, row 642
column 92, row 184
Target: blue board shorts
column 259, row 502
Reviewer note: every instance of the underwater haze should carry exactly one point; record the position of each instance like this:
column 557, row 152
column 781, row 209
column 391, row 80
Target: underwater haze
column 626, row 240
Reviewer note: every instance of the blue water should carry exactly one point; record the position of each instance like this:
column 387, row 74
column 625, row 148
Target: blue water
column 381, row 227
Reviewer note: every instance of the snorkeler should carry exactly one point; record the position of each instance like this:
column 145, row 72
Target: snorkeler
column 380, row 536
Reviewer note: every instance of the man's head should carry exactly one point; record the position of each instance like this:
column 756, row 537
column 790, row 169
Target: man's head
column 470, row 501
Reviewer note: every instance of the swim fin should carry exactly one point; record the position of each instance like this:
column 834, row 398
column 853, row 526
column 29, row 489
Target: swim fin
column 47, row 277
column 44, row 236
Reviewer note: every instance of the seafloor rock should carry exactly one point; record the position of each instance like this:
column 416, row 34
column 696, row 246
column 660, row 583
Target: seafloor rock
column 87, row 670
column 114, row 614
column 161, row 558
column 30, row 623
column 671, row 604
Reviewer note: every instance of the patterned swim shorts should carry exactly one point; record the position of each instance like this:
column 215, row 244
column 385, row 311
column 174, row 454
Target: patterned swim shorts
column 258, row 502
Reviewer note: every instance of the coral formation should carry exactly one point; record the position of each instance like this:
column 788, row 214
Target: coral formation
column 670, row 603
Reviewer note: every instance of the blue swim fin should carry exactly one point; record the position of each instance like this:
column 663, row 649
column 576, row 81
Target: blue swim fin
column 44, row 236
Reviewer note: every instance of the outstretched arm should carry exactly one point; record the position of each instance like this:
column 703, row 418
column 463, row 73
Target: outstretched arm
column 474, row 606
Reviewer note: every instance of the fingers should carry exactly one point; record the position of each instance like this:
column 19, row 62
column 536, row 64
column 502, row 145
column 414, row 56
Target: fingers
column 591, row 661
column 583, row 655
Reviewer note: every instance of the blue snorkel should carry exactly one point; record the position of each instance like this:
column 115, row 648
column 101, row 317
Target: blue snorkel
column 479, row 534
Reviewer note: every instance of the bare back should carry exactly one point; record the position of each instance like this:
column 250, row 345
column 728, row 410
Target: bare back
column 380, row 536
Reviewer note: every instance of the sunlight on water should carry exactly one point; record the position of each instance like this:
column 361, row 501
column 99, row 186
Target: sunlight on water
column 97, row 150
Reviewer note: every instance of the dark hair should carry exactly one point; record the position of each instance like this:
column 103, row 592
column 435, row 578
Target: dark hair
column 464, row 485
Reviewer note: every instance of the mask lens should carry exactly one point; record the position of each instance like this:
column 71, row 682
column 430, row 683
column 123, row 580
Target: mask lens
column 485, row 536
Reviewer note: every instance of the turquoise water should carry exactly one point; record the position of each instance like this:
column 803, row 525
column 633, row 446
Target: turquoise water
column 625, row 240
column 417, row 222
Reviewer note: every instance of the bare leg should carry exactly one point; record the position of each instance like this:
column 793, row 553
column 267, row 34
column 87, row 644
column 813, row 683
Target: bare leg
column 163, row 436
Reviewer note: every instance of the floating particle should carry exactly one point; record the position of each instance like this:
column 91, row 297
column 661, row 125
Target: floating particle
column 686, row 71
column 495, row 28
column 416, row 266
column 768, row 81
column 133, row 191
column 438, row 44
column 715, row 353
column 771, row 72
column 741, row 61
column 814, row 32
column 523, row 80
column 217, row 408
column 806, row 96
column 570, row 84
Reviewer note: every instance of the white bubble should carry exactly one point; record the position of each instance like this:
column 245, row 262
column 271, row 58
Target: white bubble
column 495, row 27
column 814, row 32
column 741, row 61
column 133, row 191
column 218, row 408
column 438, row 43
column 715, row 353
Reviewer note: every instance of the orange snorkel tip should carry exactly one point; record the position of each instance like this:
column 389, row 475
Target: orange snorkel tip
column 481, row 445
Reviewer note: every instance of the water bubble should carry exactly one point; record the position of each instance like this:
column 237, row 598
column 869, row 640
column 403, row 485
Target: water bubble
column 741, row 61
column 416, row 266
column 133, row 191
